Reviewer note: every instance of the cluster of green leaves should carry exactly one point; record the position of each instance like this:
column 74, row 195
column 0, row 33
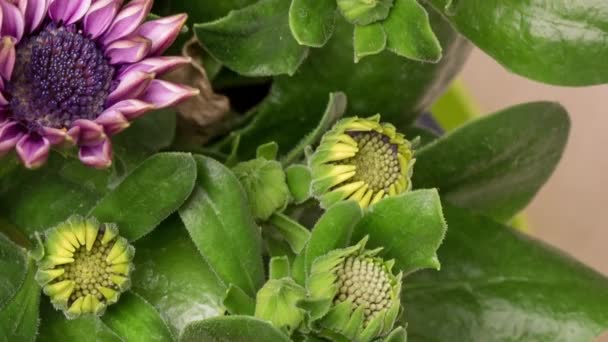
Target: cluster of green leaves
column 200, row 251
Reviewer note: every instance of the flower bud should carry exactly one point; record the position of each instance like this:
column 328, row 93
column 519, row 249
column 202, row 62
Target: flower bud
column 355, row 293
column 363, row 160
column 84, row 266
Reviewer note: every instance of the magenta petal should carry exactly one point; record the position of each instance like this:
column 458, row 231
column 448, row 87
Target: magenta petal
column 34, row 13
column 162, row 32
column 113, row 122
column 128, row 51
column 131, row 86
column 90, row 133
column 98, row 156
column 3, row 100
column 157, row 65
column 12, row 21
column 55, row 136
column 9, row 136
column 68, row 11
column 7, row 57
column 127, row 20
column 165, row 94
column 100, row 17
column 132, row 109
column 33, row 150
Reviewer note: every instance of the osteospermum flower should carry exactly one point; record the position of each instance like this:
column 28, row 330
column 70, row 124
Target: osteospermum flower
column 84, row 266
column 361, row 159
column 358, row 292
column 79, row 71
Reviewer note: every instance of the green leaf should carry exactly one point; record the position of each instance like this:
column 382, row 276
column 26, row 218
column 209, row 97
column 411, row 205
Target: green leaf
column 312, row 22
column 55, row 327
column 409, row 227
column 496, row 284
column 562, row 42
column 217, row 215
column 276, row 302
column 146, row 136
column 134, row 319
column 495, row 165
column 334, row 111
column 409, row 32
column 369, row 40
column 63, row 188
column 157, row 188
column 268, row 151
column 19, row 317
column 298, row 181
column 332, row 231
column 295, row 104
column 292, row 231
column 13, row 269
column 237, row 302
column 171, row 275
column 254, row 41
column 233, row 329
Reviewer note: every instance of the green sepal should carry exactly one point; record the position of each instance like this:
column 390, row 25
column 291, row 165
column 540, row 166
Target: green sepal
column 299, row 181
column 277, row 302
column 279, row 268
column 397, row 335
column 364, row 12
column 237, row 302
column 369, row 40
column 268, row 151
column 294, row 233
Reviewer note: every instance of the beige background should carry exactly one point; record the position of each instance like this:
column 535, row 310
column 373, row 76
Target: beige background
column 569, row 211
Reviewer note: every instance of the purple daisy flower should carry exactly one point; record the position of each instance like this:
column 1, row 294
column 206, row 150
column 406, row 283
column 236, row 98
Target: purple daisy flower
column 78, row 71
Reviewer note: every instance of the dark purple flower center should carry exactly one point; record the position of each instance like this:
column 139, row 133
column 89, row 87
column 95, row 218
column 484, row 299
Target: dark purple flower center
column 59, row 76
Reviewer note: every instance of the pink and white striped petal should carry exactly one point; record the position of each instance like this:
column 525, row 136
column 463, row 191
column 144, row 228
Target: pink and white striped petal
column 130, row 50
column 12, row 21
column 113, row 122
column 157, row 65
column 34, row 13
column 90, row 133
column 127, row 21
column 10, row 134
column 166, row 94
column 131, row 85
column 68, row 11
column 132, row 109
column 33, row 150
column 98, row 156
column 99, row 17
column 7, row 57
column 162, row 32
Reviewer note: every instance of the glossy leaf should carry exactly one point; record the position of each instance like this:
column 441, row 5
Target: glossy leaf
column 496, row 165
column 13, row 269
column 496, row 284
column 55, row 327
column 63, row 188
column 560, row 42
column 19, row 317
column 369, row 40
column 172, row 276
column 312, row 22
column 157, row 188
column 332, row 231
column 336, row 106
column 254, row 41
column 233, row 329
column 409, row 227
column 409, row 32
column 217, row 215
column 134, row 319
column 374, row 85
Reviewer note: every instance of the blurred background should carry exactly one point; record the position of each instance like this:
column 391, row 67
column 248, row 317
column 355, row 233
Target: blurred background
column 568, row 212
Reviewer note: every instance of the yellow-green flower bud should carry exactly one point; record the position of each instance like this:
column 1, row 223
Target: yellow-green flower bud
column 361, row 159
column 364, row 12
column 361, row 294
column 84, row 266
